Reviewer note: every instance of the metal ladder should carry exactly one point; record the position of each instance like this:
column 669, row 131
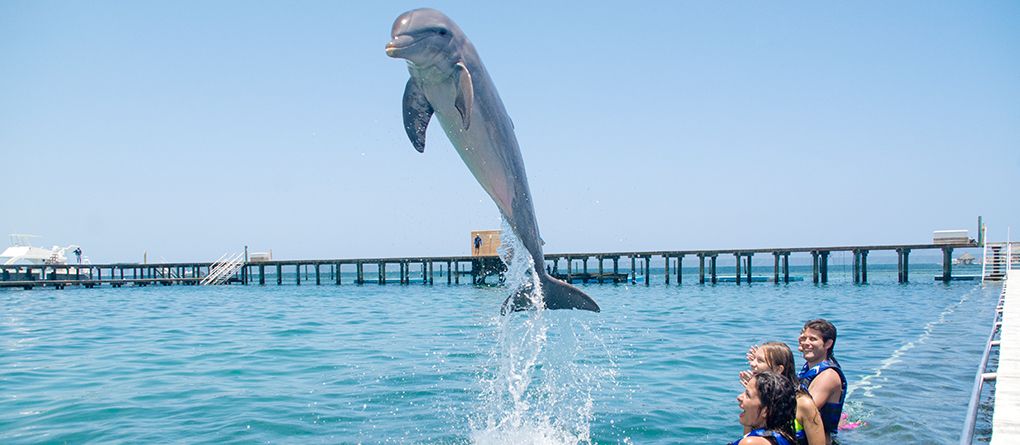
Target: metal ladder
column 996, row 260
column 222, row 269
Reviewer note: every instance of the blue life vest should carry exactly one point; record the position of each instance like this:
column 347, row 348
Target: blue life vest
column 774, row 437
column 799, row 433
column 830, row 412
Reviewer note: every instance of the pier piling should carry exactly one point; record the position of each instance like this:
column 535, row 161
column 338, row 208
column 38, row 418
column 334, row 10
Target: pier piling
column 947, row 264
column 814, row 266
column 749, row 255
column 666, row 258
column 736, row 267
column 775, row 267
column 600, row 268
column 824, row 266
column 864, row 266
column 679, row 268
column 711, row 268
column 903, row 264
column 701, row 268
column 648, row 278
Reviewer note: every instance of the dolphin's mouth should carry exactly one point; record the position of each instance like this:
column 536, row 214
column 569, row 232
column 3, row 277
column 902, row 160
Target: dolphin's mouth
column 400, row 43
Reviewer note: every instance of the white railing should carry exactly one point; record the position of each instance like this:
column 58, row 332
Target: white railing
column 996, row 261
column 969, row 423
column 222, row 269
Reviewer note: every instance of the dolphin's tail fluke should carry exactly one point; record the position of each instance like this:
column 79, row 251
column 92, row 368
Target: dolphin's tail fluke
column 556, row 295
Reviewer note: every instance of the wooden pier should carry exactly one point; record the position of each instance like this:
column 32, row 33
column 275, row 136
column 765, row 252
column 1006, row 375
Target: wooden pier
column 478, row 268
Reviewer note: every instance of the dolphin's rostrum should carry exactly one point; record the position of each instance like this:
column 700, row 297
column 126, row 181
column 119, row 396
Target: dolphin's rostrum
column 449, row 81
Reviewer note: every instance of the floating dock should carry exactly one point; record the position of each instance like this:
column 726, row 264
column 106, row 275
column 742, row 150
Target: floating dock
column 478, row 268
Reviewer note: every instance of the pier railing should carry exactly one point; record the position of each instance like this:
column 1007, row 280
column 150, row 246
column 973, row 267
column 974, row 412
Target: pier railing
column 970, row 421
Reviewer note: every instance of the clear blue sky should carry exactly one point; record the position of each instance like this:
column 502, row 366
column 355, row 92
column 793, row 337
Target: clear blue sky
column 189, row 129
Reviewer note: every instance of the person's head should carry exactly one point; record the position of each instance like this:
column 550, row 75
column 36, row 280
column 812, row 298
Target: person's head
column 776, row 357
column 769, row 400
column 817, row 340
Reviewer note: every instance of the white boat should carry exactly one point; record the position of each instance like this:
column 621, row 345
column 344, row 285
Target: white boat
column 22, row 253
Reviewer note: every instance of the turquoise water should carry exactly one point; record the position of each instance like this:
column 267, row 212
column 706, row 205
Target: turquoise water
column 436, row 364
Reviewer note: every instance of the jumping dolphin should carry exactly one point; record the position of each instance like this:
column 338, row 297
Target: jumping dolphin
column 449, row 80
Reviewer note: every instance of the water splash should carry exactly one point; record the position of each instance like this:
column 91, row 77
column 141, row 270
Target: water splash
column 538, row 385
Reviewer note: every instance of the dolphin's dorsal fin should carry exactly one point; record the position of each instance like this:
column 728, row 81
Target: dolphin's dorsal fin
column 465, row 94
column 417, row 113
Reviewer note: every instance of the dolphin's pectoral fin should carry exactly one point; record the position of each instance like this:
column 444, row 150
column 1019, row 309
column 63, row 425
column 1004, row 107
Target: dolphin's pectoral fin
column 465, row 94
column 417, row 113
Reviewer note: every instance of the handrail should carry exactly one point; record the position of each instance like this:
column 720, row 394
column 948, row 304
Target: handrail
column 221, row 272
column 967, row 437
column 984, row 260
column 214, row 268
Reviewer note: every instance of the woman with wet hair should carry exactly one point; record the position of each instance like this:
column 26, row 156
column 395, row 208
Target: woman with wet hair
column 768, row 406
column 777, row 357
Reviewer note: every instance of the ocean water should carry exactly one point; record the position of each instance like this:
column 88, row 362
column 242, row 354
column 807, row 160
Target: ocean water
column 437, row 364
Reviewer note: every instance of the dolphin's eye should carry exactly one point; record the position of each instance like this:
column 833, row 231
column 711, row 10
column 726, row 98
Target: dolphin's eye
column 442, row 32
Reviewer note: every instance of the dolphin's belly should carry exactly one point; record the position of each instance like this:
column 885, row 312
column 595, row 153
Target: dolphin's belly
column 488, row 151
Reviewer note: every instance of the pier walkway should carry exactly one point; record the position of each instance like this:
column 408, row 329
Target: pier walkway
column 1006, row 417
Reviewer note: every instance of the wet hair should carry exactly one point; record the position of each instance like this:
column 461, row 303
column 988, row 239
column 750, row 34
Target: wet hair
column 778, row 353
column 828, row 331
column 778, row 397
